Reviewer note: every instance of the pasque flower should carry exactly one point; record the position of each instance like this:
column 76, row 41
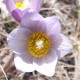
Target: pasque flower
column 18, row 7
column 38, row 43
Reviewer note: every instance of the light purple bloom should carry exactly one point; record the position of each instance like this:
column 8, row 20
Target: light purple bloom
column 38, row 43
column 19, row 7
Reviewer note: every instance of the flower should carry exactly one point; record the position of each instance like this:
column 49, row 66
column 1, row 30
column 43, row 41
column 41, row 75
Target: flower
column 19, row 7
column 38, row 43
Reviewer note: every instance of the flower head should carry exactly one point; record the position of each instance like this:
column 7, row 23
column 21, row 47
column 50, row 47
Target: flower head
column 38, row 43
column 19, row 7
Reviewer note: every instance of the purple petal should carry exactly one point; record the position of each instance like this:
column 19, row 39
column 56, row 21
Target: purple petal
column 55, row 41
column 10, row 5
column 28, row 17
column 18, row 1
column 36, row 5
column 24, row 62
column 65, row 47
column 17, row 40
column 47, row 64
column 37, row 26
column 17, row 14
column 53, row 25
column 42, row 27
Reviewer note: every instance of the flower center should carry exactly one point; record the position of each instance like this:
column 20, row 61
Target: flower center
column 22, row 4
column 38, row 44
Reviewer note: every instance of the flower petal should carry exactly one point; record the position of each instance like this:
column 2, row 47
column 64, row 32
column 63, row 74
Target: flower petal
column 65, row 47
column 46, row 65
column 17, row 14
column 42, row 26
column 17, row 1
column 36, row 5
column 24, row 62
column 10, row 5
column 55, row 40
column 53, row 25
column 17, row 40
column 37, row 26
column 28, row 17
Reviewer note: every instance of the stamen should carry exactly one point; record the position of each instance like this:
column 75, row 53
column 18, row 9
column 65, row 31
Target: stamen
column 19, row 5
column 22, row 4
column 38, row 44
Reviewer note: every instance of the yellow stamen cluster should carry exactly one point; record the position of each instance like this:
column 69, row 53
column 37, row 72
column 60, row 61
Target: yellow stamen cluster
column 38, row 44
column 19, row 5
column 22, row 5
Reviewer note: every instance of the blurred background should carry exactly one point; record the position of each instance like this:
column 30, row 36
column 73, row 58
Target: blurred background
column 68, row 68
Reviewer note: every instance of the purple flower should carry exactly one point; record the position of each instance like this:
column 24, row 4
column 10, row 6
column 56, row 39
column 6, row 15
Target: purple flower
column 38, row 43
column 19, row 7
